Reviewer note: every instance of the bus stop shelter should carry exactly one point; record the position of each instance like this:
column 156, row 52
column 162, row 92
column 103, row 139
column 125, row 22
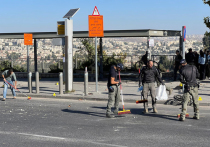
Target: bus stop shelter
column 85, row 34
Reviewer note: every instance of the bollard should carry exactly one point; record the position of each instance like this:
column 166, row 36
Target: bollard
column 37, row 82
column 30, row 82
column 86, row 82
column 60, row 83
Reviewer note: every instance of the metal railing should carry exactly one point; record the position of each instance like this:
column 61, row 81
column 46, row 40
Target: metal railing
column 79, row 62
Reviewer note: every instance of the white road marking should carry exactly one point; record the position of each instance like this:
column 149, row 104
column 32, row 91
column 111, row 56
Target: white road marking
column 61, row 138
column 52, row 137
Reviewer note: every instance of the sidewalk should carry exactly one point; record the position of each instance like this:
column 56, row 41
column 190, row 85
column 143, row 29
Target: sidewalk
column 49, row 86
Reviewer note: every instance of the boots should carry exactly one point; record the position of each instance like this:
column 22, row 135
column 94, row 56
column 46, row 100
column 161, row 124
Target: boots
column 155, row 110
column 145, row 111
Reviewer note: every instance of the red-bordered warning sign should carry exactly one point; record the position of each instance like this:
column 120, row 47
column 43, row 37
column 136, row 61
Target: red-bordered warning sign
column 96, row 12
column 96, row 25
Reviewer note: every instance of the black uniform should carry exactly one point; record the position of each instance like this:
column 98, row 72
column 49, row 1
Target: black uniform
column 177, row 63
column 190, row 58
column 189, row 73
column 114, row 91
column 149, row 75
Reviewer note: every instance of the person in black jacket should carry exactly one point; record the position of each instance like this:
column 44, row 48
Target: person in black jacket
column 189, row 73
column 147, row 77
column 144, row 58
column 114, row 90
column 177, row 63
column 190, row 57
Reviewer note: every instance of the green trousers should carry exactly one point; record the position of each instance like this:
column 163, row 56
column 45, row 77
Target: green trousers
column 149, row 87
column 193, row 91
column 113, row 97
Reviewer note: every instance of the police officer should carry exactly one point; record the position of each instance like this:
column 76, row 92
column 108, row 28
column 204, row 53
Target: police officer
column 177, row 63
column 114, row 90
column 188, row 75
column 190, row 57
column 147, row 77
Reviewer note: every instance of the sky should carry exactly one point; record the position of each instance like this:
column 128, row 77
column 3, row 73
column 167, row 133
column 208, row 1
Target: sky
column 42, row 15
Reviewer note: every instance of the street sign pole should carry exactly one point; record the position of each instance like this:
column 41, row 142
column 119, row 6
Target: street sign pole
column 183, row 47
column 27, row 58
column 96, row 64
column 96, row 29
column 183, row 41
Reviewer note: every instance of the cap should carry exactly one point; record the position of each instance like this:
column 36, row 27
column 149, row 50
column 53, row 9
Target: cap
column 177, row 50
column 183, row 61
column 120, row 65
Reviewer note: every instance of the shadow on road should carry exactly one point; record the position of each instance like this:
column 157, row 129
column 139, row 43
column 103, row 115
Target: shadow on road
column 150, row 114
column 84, row 112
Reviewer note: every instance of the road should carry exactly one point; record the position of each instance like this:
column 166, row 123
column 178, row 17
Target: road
column 60, row 123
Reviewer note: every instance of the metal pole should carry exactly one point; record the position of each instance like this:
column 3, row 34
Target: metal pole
column 101, row 58
column 27, row 58
column 35, row 56
column 64, row 67
column 60, row 83
column 86, row 82
column 183, row 51
column 69, row 55
column 75, row 60
column 149, row 50
column 42, row 65
column 37, row 82
column 96, row 64
column 30, row 82
column 131, row 61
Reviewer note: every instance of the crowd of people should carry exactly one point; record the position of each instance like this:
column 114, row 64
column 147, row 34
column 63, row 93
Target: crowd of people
column 201, row 61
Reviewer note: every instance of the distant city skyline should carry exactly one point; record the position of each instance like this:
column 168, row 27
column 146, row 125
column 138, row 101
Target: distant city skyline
column 42, row 15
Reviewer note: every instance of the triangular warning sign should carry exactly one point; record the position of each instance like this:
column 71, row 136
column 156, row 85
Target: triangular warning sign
column 200, row 99
column 95, row 12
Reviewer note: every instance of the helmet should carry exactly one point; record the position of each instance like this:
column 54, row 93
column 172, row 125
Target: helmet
column 120, row 65
column 183, row 61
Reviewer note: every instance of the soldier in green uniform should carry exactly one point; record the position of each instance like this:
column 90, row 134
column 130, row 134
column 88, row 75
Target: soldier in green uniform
column 188, row 75
column 114, row 90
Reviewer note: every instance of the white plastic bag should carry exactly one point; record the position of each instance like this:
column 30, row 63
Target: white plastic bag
column 161, row 93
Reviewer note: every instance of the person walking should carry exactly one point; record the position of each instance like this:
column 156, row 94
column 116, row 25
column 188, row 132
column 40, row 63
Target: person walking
column 176, row 64
column 190, row 57
column 189, row 73
column 9, row 77
column 147, row 78
column 114, row 90
column 202, row 63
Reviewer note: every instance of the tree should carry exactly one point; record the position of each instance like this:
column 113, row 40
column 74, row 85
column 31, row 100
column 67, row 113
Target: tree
column 206, row 19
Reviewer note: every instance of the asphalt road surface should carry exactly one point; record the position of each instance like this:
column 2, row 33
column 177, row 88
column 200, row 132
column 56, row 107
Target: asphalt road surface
column 74, row 123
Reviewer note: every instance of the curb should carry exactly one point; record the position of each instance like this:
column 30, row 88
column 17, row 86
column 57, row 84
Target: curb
column 93, row 99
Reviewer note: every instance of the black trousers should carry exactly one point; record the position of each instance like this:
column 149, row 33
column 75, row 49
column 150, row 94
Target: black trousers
column 202, row 72
column 175, row 71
